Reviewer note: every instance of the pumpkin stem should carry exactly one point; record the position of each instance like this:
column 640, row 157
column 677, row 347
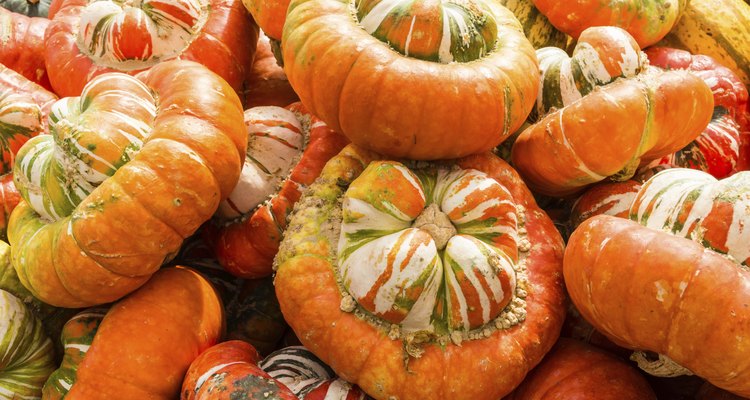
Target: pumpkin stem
column 663, row 367
column 435, row 222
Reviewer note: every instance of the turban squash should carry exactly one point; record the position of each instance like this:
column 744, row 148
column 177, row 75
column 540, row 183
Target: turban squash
column 308, row 377
column 229, row 371
column 573, row 370
column 22, row 45
column 682, row 291
column 145, row 343
column 287, row 148
column 443, row 79
column 717, row 149
column 119, row 183
column 601, row 55
column 422, row 280
column 587, row 142
column 89, row 38
column 24, row 107
column 647, row 21
column 27, row 353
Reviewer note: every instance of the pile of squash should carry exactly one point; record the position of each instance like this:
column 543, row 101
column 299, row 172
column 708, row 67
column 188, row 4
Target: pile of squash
column 374, row 199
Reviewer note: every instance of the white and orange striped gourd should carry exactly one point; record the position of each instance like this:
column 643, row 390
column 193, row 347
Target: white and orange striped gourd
column 431, row 250
column 693, row 204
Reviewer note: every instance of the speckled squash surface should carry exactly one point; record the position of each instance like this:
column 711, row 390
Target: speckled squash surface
column 587, row 141
column 229, row 371
column 430, row 70
column 412, row 280
column 286, row 150
column 647, row 21
column 88, row 38
column 104, row 207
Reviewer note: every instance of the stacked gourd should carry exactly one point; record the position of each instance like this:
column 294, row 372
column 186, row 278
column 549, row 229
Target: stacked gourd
column 176, row 188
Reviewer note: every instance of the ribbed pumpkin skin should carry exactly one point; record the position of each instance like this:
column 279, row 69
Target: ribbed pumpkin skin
column 718, row 148
column 270, row 15
column 536, row 26
column 601, row 55
column 27, row 354
column 22, row 45
column 647, row 21
column 486, row 368
column 718, row 29
column 416, row 109
column 146, row 342
column 302, row 143
column 77, row 336
column 189, row 162
column 610, row 198
column 575, row 371
column 221, row 35
column 669, row 300
column 229, row 371
column 586, row 142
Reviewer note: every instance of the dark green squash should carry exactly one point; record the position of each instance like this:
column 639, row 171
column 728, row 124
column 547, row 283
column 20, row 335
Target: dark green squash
column 31, row 8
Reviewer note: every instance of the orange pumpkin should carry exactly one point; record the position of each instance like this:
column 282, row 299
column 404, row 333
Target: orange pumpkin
column 229, row 371
column 432, row 280
column 587, row 141
column 22, row 45
column 647, row 21
column 287, row 148
column 650, row 290
column 72, row 248
column 146, row 342
column 269, row 14
column 573, row 370
column 86, row 39
column 418, row 80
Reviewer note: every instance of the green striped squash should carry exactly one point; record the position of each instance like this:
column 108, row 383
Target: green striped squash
column 27, row 357
column 716, row 28
column 20, row 120
column 91, row 136
column 601, row 55
column 76, row 338
column 536, row 26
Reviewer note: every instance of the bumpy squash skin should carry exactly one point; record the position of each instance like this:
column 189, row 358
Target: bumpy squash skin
column 97, row 254
column 361, row 353
column 676, row 298
column 576, row 371
column 229, row 371
column 647, row 21
column 225, row 43
column 177, row 315
column 586, row 142
column 414, row 107
column 22, row 46
column 536, row 26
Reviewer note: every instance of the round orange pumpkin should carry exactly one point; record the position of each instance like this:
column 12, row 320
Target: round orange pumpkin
column 422, row 280
column 575, row 371
column 89, row 38
column 418, row 80
column 91, row 229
